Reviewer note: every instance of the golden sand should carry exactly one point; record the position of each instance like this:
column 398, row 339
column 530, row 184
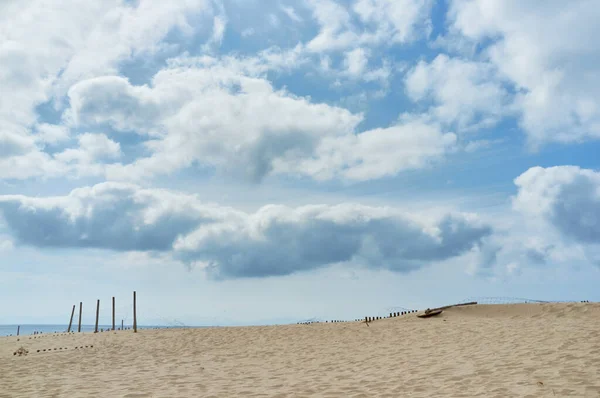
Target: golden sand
column 519, row 350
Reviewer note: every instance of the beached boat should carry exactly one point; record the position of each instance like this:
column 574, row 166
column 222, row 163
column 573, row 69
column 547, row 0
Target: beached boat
column 429, row 313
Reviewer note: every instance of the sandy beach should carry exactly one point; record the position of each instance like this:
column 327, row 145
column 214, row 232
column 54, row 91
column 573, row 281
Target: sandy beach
column 517, row 350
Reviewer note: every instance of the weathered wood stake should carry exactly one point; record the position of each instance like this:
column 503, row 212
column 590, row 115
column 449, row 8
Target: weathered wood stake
column 18, row 329
column 134, row 315
column 71, row 320
column 80, row 310
column 121, row 324
column 97, row 313
column 113, row 313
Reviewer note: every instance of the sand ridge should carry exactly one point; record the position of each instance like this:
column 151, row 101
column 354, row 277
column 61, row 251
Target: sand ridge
column 518, row 350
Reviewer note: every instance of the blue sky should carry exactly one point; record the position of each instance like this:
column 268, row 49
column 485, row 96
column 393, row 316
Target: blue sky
column 242, row 162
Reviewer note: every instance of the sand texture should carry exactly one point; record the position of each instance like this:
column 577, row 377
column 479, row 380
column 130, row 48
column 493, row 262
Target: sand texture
column 519, row 350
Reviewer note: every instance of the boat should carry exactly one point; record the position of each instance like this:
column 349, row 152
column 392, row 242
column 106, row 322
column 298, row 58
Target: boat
column 429, row 313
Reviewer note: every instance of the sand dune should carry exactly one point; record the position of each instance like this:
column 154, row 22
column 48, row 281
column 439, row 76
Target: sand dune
column 521, row 350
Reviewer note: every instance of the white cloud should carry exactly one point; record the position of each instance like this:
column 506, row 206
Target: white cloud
column 382, row 23
column 555, row 222
column 274, row 21
column 356, row 61
column 75, row 41
column 6, row 244
column 257, row 130
column 51, row 133
column 547, row 49
column 41, row 60
column 14, row 144
column 92, row 148
column 112, row 100
column 124, row 32
column 108, row 215
column 567, row 197
column 291, row 13
column 477, row 145
column 33, row 163
column 216, row 38
column 248, row 32
column 335, row 24
column 464, row 93
column 377, row 153
column 401, row 20
column 275, row 240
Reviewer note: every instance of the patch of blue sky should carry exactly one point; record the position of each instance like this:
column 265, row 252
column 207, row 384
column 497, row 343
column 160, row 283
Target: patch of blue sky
column 49, row 112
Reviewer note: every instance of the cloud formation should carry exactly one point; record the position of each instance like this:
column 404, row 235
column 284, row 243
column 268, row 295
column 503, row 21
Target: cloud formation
column 466, row 94
column 106, row 216
column 275, row 240
column 567, row 197
column 548, row 51
column 555, row 220
column 76, row 41
column 221, row 115
column 381, row 22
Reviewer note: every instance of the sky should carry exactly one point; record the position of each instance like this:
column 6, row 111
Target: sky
column 266, row 161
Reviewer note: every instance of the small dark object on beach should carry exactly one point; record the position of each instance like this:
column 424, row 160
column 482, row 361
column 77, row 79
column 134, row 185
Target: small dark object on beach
column 21, row 351
column 429, row 313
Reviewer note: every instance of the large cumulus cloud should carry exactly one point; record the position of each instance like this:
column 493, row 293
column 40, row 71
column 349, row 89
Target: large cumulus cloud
column 226, row 115
column 78, row 40
column 108, row 216
column 279, row 240
column 567, row 197
column 555, row 220
column 547, row 51
column 275, row 240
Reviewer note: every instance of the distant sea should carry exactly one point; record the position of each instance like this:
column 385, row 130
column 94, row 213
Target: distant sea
column 27, row 330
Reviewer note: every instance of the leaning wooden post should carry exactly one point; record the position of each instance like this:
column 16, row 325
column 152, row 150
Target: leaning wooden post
column 97, row 313
column 71, row 320
column 113, row 314
column 134, row 315
column 18, row 329
column 80, row 309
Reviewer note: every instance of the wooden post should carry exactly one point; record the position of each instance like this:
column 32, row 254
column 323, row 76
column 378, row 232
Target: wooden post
column 97, row 313
column 80, row 309
column 71, row 320
column 134, row 315
column 113, row 312
column 121, row 324
column 18, row 329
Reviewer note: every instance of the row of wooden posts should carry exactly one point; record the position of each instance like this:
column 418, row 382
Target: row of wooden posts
column 98, row 314
column 392, row 315
column 374, row 318
column 367, row 318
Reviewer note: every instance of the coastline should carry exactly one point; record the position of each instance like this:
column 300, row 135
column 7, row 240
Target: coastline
column 490, row 350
